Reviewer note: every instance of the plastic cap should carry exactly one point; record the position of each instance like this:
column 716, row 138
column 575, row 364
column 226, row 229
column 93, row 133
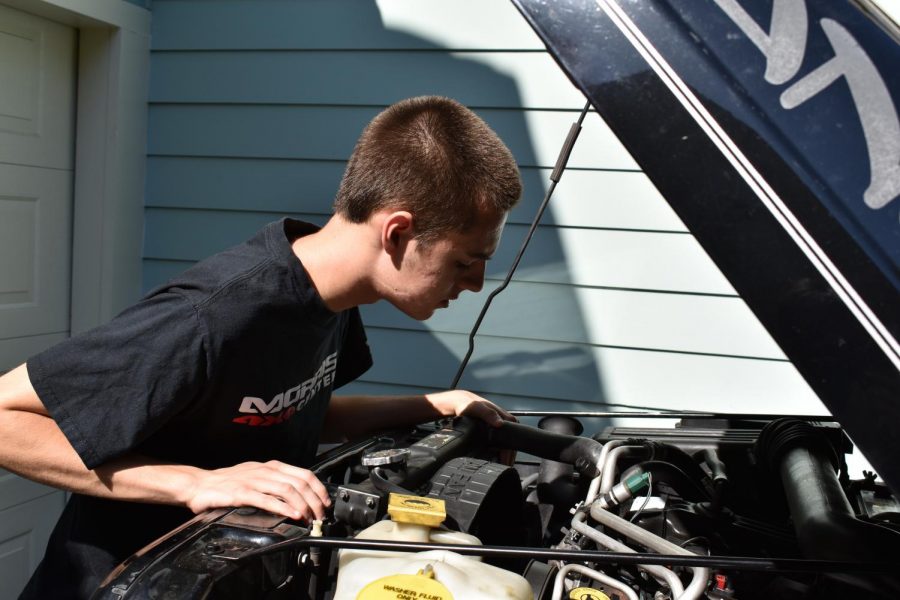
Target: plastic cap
column 416, row 509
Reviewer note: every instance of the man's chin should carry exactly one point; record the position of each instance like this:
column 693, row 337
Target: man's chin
column 425, row 316
column 419, row 314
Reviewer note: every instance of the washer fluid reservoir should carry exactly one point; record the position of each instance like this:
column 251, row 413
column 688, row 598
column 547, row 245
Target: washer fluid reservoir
column 433, row 575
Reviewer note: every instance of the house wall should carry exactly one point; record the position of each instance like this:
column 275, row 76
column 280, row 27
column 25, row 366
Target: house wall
column 255, row 106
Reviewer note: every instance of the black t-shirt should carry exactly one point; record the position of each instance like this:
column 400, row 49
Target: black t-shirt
column 233, row 361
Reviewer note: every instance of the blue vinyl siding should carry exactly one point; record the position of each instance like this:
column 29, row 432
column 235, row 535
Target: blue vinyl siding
column 255, row 107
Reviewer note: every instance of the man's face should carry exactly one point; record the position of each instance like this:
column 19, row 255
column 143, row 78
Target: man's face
column 435, row 273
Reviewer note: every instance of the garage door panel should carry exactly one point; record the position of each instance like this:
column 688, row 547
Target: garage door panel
column 24, row 531
column 37, row 91
column 37, row 141
column 15, row 351
column 15, row 490
column 35, row 250
column 20, row 69
column 18, row 229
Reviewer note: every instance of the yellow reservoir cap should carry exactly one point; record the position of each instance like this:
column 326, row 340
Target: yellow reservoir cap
column 405, row 587
column 416, row 509
column 586, row 593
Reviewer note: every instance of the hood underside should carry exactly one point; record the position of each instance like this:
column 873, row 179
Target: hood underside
column 772, row 130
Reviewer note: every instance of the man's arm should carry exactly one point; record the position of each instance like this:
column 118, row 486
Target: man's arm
column 34, row 447
column 354, row 417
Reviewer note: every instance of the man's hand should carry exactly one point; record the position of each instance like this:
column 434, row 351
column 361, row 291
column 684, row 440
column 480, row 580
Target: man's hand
column 456, row 403
column 273, row 486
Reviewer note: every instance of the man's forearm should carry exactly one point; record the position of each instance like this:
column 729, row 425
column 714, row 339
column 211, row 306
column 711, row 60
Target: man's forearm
column 354, row 417
column 45, row 455
column 34, row 447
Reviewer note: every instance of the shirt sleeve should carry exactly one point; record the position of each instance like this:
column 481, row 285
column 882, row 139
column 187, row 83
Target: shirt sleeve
column 110, row 388
column 355, row 358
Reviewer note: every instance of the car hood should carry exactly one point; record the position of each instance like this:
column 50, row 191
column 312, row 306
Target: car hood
column 772, row 130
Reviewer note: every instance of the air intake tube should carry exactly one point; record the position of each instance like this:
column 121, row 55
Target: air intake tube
column 555, row 484
column 826, row 526
column 582, row 453
column 429, row 454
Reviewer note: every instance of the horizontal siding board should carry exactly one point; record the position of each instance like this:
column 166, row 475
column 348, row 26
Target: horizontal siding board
column 586, row 257
column 155, row 272
column 582, row 199
column 364, row 387
column 195, row 235
column 686, row 323
column 626, row 200
column 592, row 425
column 615, row 318
column 508, row 401
column 255, row 131
column 243, row 184
column 612, row 318
column 591, row 374
column 493, row 24
column 602, row 258
column 494, row 79
column 325, row 24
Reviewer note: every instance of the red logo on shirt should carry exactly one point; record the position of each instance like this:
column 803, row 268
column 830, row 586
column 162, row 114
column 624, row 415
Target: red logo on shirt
column 258, row 412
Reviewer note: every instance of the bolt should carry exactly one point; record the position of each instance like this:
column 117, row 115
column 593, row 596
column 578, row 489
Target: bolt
column 345, row 495
column 370, row 502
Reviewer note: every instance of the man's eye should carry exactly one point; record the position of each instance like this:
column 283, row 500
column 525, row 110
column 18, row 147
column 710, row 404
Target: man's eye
column 462, row 265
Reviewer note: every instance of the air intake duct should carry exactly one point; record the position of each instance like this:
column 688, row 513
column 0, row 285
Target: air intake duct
column 824, row 521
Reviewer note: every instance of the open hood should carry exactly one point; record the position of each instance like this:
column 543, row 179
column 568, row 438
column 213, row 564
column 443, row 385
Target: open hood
column 772, row 130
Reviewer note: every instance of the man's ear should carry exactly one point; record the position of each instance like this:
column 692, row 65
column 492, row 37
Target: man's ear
column 396, row 232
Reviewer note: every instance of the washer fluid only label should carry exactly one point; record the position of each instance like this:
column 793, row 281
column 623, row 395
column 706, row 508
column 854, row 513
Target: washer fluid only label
column 405, row 587
column 586, row 593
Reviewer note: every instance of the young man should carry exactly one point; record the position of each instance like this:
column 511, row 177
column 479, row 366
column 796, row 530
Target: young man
column 215, row 387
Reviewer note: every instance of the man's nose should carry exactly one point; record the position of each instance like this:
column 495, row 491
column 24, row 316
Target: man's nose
column 473, row 278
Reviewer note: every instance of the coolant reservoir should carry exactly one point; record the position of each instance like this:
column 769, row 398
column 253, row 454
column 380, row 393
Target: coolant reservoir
column 435, row 575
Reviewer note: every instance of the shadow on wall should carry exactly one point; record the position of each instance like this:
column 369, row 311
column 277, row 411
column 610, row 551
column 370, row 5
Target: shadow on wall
column 502, row 364
column 317, row 109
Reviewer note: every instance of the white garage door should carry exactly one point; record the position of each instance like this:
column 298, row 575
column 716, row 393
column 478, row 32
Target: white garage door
column 37, row 108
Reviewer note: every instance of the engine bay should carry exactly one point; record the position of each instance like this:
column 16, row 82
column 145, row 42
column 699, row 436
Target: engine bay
column 720, row 506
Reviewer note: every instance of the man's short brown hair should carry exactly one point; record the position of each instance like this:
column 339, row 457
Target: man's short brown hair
column 433, row 157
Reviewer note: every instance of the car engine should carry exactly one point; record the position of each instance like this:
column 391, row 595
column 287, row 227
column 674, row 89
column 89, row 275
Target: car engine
column 720, row 506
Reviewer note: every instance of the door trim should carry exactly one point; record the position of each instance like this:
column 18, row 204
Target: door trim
column 110, row 151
